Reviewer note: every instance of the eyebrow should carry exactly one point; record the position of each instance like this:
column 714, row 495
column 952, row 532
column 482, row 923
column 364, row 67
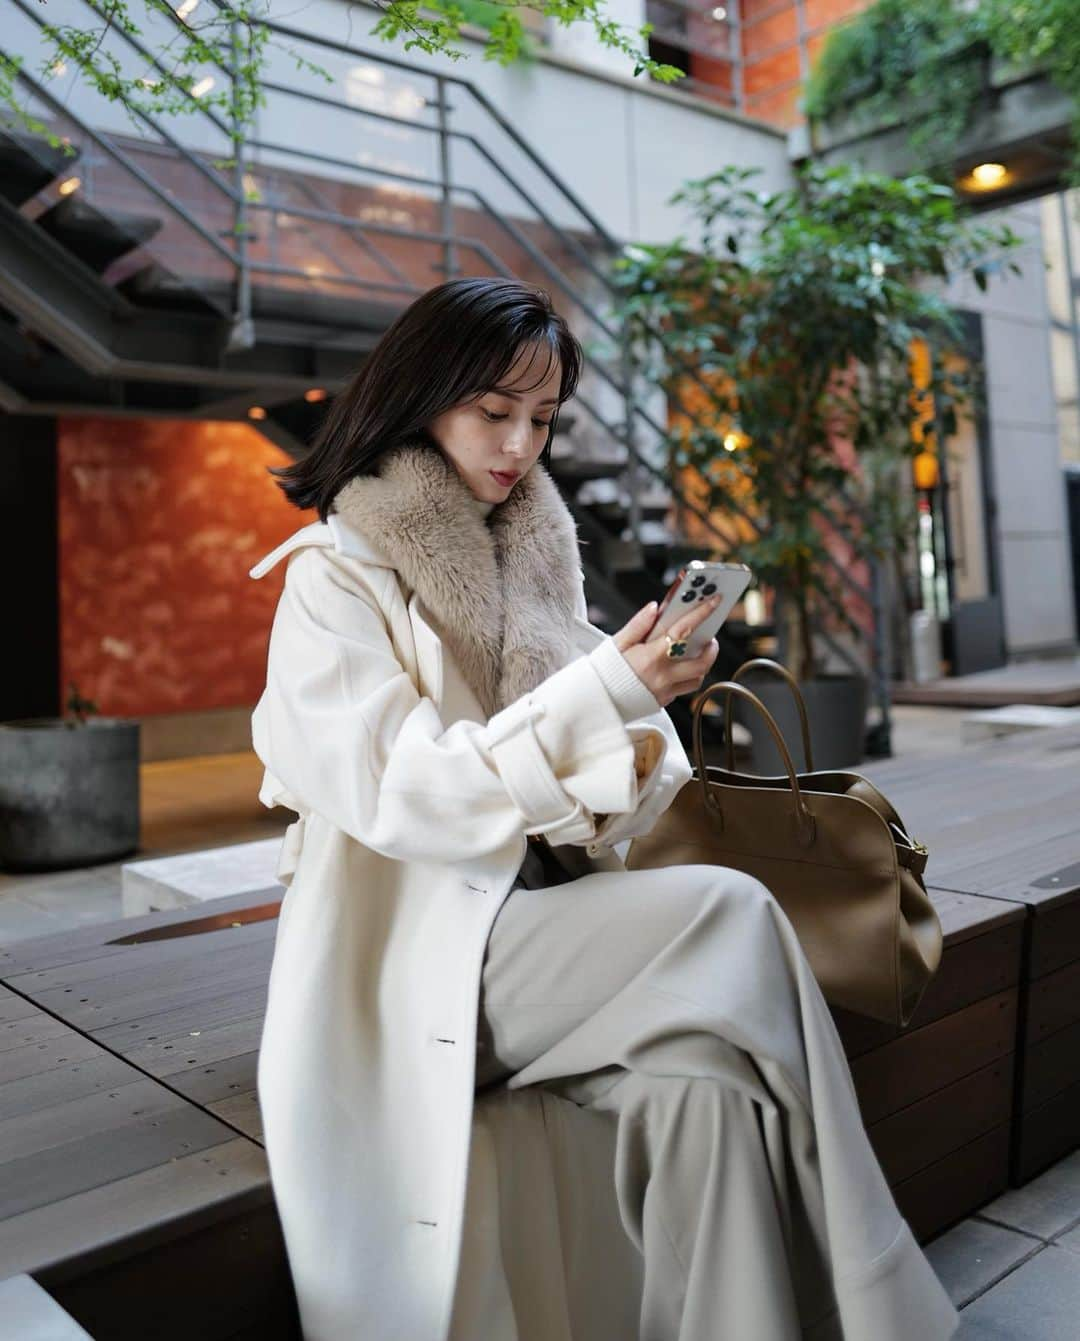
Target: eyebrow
column 514, row 395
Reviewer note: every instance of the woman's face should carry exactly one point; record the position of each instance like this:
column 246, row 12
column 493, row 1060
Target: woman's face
column 504, row 430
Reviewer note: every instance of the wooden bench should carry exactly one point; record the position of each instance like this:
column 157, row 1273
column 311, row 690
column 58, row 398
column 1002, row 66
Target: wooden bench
column 1002, row 822
column 132, row 1183
column 110, row 1208
column 936, row 1096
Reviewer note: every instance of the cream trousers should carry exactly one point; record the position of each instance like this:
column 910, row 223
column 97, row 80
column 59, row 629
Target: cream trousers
column 711, row 1174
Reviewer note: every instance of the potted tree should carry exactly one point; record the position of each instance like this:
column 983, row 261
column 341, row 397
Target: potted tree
column 69, row 789
column 784, row 340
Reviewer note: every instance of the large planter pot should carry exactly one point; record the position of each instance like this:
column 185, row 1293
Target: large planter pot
column 836, row 706
column 69, row 794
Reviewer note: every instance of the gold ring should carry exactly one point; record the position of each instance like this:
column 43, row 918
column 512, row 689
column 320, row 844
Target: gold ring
column 676, row 647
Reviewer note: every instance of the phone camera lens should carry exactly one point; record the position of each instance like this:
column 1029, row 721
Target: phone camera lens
column 697, row 581
column 708, row 591
column 688, row 596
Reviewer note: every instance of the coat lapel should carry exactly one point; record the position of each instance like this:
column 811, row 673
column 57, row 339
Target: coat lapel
column 501, row 593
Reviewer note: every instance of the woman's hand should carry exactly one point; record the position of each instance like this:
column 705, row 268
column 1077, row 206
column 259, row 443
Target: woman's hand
column 667, row 677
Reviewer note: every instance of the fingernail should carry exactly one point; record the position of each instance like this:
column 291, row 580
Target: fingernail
column 650, row 606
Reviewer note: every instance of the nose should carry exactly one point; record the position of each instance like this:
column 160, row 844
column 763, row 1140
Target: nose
column 518, row 440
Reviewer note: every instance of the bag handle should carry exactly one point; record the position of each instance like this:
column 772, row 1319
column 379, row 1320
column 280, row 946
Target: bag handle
column 805, row 827
column 764, row 663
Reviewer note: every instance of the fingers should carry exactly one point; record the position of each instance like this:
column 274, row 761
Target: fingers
column 636, row 629
column 685, row 624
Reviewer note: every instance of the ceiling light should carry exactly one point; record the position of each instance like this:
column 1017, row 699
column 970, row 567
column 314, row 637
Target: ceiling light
column 731, row 442
column 188, row 7
column 314, row 394
column 203, row 86
column 719, row 14
column 69, row 186
column 988, row 175
column 256, row 412
column 58, row 69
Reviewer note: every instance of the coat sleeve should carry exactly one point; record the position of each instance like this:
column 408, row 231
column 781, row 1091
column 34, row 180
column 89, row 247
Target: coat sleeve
column 343, row 728
column 661, row 765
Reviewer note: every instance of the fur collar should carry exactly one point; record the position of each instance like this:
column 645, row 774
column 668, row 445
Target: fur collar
column 502, row 590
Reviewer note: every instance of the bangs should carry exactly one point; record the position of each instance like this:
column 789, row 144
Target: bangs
column 549, row 346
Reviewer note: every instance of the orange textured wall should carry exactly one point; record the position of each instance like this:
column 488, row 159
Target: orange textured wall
column 159, row 522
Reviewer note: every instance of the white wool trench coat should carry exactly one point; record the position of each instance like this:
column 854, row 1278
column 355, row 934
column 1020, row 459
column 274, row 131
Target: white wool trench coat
column 414, row 812
column 431, row 700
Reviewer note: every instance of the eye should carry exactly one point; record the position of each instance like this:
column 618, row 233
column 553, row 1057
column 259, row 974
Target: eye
column 492, row 417
column 542, row 423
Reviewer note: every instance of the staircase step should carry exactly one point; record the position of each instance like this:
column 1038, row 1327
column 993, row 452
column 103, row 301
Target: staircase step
column 156, row 287
column 95, row 238
column 581, row 469
column 28, row 164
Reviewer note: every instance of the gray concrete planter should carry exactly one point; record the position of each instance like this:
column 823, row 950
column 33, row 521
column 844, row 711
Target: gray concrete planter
column 836, row 706
column 69, row 794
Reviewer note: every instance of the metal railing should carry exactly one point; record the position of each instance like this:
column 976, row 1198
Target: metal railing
column 587, row 243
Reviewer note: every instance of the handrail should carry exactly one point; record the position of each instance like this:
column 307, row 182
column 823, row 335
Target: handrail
column 103, row 142
column 568, row 239
column 212, row 177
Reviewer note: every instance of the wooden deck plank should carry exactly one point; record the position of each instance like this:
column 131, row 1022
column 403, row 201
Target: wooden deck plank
column 1050, row 1066
column 47, row 1088
column 77, row 1121
column 242, row 1112
column 92, row 940
column 950, row 1118
column 91, row 1228
column 1053, row 1004
column 219, row 1008
column 35, row 1132
column 1049, row 1132
column 920, row 1062
column 949, row 1189
column 97, row 1015
column 139, row 965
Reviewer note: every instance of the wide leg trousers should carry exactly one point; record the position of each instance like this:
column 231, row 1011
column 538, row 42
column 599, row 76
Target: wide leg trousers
column 676, row 1013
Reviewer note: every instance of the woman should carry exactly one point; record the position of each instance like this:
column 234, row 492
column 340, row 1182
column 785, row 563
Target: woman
column 464, row 750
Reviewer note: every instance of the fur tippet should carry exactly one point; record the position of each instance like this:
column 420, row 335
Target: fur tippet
column 501, row 592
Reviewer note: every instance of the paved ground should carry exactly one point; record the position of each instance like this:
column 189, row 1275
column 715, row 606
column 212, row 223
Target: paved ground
column 1013, row 1268
column 186, row 804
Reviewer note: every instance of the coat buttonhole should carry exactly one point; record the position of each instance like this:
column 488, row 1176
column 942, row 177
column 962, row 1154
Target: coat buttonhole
column 476, row 887
column 446, row 1040
column 432, row 1223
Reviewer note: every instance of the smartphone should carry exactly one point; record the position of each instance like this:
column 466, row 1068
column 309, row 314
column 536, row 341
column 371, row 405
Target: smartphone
column 696, row 582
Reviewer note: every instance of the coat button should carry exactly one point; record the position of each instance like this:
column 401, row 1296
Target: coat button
column 594, row 849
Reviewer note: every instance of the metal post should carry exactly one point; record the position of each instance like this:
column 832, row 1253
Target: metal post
column 242, row 334
column 877, row 660
column 1074, row 321
column 632, row 472
column 450, row 262
column 803, row 40
column 735, row 44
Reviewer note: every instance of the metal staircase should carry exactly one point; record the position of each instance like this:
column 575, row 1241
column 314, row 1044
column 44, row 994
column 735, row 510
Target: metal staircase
column 142, row 274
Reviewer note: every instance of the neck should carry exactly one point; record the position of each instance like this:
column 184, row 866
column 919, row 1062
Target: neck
column 482, row 507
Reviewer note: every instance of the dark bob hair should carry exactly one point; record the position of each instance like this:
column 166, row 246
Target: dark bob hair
column 453, row 344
